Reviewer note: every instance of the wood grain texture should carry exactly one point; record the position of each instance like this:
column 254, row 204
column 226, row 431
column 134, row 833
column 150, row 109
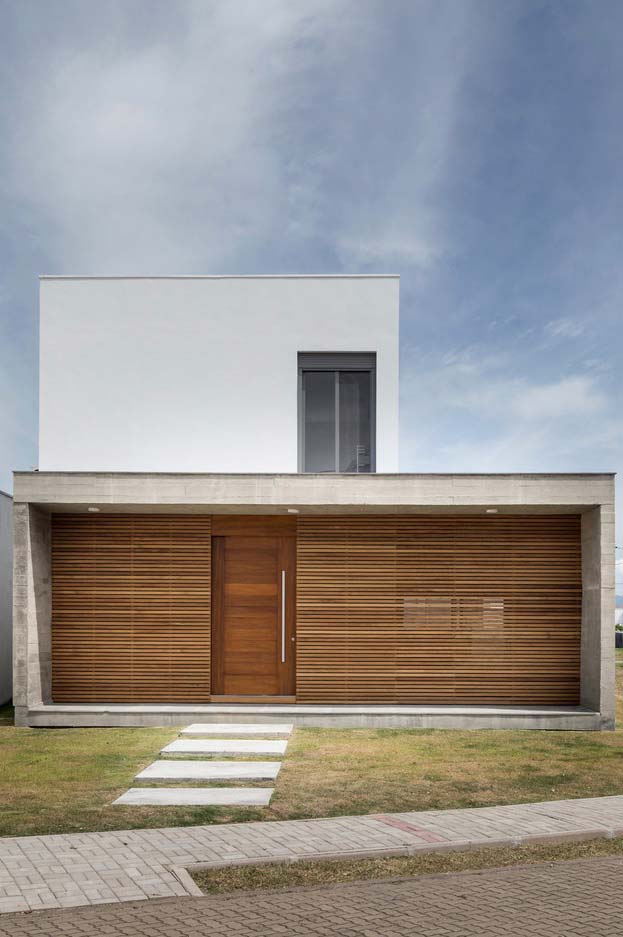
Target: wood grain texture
column 253, row 525
column 390, row 609
column 247, row 615
column 130, row 608
column 439, row 609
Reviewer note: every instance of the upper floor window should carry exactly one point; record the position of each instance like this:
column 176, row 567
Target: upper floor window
column 336, row 412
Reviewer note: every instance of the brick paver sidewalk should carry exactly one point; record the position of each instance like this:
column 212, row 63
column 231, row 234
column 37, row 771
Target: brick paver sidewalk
column 93, row 868
column 564, row 899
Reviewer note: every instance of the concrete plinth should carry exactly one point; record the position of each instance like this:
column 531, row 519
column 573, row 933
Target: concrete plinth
column 328, row 717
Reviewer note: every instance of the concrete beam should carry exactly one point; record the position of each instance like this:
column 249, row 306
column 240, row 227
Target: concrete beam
column 362, row 493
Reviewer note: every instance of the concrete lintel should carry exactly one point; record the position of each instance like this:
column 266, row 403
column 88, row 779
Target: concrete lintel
column 367, row 493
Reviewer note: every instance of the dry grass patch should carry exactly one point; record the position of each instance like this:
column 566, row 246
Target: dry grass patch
column 280, row 875
column 338, row 772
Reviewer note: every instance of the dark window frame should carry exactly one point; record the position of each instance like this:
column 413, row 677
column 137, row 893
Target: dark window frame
column 336, row 361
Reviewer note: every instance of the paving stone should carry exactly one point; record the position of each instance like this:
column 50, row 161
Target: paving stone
column 139, row 861
column 225, row 747
column 177, row 769
column 196, row 796
column 542, row 900
column 238, row 728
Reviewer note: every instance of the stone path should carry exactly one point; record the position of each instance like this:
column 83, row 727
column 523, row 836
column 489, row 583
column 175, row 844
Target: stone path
column 563, row 899
column 196, row 797
column 209, row 771
column 238, row 728
column 91, row 868
column 178, row 770
column 225, row 747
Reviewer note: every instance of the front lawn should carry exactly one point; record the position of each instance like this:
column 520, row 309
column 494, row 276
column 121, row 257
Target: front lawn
column 63, row 780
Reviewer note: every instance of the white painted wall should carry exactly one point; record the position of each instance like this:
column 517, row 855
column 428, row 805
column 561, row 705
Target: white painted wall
column 199, row 374
column 6, row 595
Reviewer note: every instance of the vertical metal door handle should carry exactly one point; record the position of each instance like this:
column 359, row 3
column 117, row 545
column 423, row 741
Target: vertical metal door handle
column 283, row 616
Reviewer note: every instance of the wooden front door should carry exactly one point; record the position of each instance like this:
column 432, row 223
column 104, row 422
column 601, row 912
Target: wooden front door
column 253, row 607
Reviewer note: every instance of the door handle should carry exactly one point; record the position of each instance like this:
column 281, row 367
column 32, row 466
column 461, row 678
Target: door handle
column 283, row 616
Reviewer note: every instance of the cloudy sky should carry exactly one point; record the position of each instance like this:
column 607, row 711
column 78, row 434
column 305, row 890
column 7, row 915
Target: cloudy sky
column 473, row 146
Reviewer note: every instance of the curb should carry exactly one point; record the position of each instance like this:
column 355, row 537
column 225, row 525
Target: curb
column 411, row 850
column 186, row 880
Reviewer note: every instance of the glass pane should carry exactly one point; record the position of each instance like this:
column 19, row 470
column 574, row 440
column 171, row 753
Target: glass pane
column 319, row 421
column 355, row 433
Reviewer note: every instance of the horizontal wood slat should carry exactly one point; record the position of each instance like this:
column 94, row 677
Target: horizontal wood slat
column 253, row 525
column 130, row 608
column 439, row 609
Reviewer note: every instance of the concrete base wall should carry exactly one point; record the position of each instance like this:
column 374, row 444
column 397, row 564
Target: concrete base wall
column 328, row 717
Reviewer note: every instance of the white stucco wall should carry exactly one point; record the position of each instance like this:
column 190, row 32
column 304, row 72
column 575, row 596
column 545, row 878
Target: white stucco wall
column 199, row 374
column 6, row 595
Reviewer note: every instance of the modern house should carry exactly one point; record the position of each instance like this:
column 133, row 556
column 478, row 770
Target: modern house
column 6, row 595
column 218, row 525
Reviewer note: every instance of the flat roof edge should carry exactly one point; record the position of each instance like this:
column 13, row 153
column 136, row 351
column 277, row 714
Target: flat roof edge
column 227, row 276
column 350, row 476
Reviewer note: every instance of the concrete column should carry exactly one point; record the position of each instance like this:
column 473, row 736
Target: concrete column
column 32, row 609
column 598, row 658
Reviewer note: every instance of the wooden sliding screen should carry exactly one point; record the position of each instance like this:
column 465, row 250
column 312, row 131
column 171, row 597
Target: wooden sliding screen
column 130, row 608
column 439, row 609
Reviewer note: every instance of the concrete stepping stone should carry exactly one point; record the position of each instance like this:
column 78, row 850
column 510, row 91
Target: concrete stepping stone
column 196, row 797
column 178, row 770
column 225, row 747
column 239, row 728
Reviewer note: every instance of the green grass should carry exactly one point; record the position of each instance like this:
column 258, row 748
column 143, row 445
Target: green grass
column 64, row 780
column 236, row 878
column 619, row 655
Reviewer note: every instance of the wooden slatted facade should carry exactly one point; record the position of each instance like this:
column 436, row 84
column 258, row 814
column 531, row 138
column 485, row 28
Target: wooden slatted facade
column 439, row 609
column 390, row 609
column 130, row 608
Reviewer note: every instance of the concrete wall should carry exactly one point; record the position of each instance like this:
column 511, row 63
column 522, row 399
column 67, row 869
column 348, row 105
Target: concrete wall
column 32, row 609
column 37, row 494
column 200, row 374
column 6, row 595
column 598, row 588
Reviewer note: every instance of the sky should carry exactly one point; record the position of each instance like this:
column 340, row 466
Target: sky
column 475, row 147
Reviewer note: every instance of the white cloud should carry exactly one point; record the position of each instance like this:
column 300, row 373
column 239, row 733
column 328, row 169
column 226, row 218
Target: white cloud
column 565, row 328
column 169, row 156
column 467, row 411
column 384, row 249
column 479, row 381
column 192, row 151
column 567, row 397
column 405, row 212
